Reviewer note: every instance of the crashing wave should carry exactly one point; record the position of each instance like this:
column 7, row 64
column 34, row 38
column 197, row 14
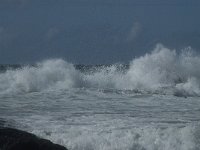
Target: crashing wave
column 161, row 71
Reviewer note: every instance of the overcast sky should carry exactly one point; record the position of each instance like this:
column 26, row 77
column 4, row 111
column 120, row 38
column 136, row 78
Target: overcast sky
column 94, row 31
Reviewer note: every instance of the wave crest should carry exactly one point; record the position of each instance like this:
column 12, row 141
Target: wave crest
column 45, row 75
column 161, row 71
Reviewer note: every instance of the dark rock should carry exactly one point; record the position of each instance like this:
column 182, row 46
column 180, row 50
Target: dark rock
column 13, row 139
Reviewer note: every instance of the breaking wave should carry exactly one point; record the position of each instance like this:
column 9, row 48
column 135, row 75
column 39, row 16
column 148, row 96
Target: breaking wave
column 147, row 138
column 50, row 73
column 162, row 71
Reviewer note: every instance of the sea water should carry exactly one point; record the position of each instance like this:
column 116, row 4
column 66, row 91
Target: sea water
column 151, row 104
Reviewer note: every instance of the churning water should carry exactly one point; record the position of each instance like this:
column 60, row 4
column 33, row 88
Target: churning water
column 151, row 104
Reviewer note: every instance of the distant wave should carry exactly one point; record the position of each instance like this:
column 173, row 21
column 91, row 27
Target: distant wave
column 162, row 71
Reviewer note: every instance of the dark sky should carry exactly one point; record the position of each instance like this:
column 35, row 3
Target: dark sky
column 94, row 31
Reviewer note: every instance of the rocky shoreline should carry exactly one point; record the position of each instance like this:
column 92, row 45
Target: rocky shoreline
column 14, row 139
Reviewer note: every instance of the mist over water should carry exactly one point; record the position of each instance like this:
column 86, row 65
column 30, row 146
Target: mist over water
column 162, row 71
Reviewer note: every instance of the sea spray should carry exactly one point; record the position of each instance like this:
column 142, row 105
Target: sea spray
column 108, row 107
column 50, row 73
column 162, row 71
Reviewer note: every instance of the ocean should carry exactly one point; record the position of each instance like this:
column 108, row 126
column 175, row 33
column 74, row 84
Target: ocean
column 152, row 103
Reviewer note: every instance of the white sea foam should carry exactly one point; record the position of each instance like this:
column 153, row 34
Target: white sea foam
column 138, row 138
column 50, row 73
column 161, row 71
